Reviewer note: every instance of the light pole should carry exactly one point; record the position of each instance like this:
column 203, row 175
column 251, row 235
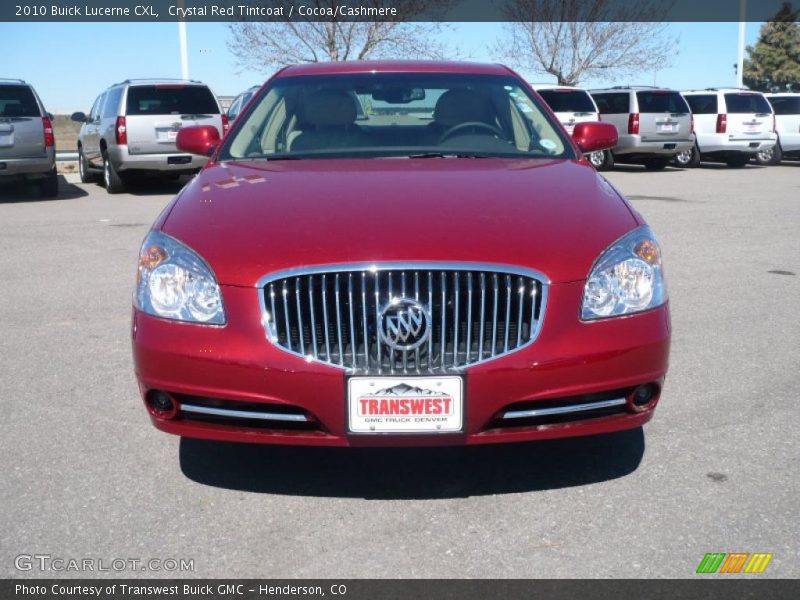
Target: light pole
column 182, row 43
column 740, row 61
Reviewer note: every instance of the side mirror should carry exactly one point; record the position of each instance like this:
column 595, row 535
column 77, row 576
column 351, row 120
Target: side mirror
column 78, row 117
column 50, row 116
column 594, row 136
column 199, row 139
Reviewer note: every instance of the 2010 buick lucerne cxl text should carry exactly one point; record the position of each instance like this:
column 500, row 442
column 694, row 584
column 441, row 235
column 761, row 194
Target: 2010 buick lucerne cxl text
column 399, row 253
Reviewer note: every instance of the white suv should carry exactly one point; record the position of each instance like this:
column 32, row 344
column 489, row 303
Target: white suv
column 653, row 124
column 731, row 126
column 787, row 125
column 572, row 105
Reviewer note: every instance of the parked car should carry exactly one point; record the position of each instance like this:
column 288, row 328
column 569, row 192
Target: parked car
column 132, row 126
column 654, row 124
column 731, row 126
column 27, row 143
column 786, row 108
column 240, row 102
column 448, row 269
column 572, row 105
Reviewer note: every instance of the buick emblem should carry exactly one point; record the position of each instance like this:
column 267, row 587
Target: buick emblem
column 405, row 324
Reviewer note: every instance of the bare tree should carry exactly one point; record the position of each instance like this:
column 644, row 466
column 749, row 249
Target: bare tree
column 269, row 45
column 571, row 39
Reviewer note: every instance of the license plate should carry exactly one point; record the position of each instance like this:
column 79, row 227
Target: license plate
column 667, row 127
column 570, row 128
column 172, row 134
column 405, row 404
column 6, row 139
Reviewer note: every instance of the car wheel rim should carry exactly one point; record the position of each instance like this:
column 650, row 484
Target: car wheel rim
column 684, row 157
column 107, row 172
column 596, row 158
column 765, row 155
column 80, row 166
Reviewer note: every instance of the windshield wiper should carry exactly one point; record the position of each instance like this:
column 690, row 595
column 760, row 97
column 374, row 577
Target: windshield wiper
column 448, row 155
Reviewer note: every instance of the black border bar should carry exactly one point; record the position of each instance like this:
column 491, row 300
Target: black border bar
column 107, row 11
column 705, row 587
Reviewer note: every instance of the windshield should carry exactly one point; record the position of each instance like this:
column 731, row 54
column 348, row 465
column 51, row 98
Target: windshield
column 568, row 100
column 747, row 103
column 170, row 99
column 661, row 101
column 391, row 114
column 17, row 101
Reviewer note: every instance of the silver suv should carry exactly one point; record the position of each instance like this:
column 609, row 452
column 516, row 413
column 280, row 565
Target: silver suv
column 132, row 126
column 27, row 143
column 653, row 124
column 240, row 102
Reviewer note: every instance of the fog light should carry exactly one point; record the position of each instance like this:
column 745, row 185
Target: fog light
column 644, row 394
column 161, row 404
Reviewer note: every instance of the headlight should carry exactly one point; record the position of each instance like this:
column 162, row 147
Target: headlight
column 627, row 278
column 173, row 282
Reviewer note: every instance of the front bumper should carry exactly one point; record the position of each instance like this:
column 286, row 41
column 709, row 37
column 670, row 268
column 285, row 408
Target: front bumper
column 179, row 162
column 40, row 165
column 236, row 363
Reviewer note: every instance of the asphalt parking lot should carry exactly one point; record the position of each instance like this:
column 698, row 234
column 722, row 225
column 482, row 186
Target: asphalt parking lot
column 86, row 475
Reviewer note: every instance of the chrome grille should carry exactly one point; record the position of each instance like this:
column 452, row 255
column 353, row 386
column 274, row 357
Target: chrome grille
column 333, row 314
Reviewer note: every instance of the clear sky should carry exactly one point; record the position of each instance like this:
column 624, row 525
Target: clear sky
column 69, row 64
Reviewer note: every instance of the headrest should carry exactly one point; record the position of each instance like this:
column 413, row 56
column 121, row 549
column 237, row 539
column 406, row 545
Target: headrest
column 461, row 106
column 327, row 108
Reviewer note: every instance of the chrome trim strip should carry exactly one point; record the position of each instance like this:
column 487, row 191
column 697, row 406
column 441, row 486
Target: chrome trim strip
column 561, row 410
column 243, row 414
column 377, row 268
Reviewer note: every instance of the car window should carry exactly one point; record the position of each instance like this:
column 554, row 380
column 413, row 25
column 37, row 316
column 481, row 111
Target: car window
column 111, row 106
column 661, row 101
column 95, row 114
column 702, row 104
column 613, row 103
column 170, row 99
column 568, row 100
column 233, row 109
column 747, row 103
column 18, row 101
column 786, row 105
column 396, row 114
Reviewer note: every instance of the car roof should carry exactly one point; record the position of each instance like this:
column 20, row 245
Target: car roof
column 726, row 90
column 555, row 86
column 632, row 88
column 394, row 66
column 159, row 80
column 782, row 94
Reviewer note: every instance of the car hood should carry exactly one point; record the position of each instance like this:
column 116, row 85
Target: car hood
column 248, row 219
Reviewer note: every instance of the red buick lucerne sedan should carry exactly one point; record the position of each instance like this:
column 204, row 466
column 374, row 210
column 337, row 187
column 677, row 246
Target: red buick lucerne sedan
column 399, row 253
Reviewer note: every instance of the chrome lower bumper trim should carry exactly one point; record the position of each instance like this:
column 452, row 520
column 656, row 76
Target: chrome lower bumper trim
column 243, row 414
column 560, row 410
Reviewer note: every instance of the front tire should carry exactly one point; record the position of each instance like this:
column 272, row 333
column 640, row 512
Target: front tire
column 770, row 157
column 83, row 168
column 113, row 182
column 48, row 188
column 602, row 160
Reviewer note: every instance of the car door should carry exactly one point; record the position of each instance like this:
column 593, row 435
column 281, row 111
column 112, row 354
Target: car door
column 91, row 138
column 21, row 126
column 663, row 116
column 749, row 115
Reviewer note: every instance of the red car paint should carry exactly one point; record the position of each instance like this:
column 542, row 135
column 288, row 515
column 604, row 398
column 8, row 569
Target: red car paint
column 249, row 219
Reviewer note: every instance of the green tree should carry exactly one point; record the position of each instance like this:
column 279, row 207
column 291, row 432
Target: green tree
column 773, row 64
